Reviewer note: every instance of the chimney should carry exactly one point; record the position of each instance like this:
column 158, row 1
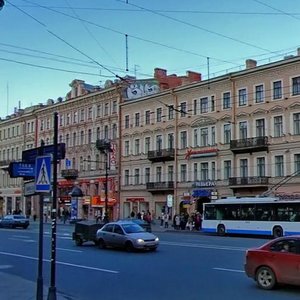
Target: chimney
column 160, row 73
column 193, row 76
column 251, row 63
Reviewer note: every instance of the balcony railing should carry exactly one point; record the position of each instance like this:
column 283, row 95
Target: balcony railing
column 249, row 145
column 249, row 181
column 161, row 155
column 160, row 186
column 69, row 173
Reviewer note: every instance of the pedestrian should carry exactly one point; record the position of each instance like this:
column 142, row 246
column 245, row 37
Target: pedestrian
column 177, row 222
column 166, row 220
column 34, row 217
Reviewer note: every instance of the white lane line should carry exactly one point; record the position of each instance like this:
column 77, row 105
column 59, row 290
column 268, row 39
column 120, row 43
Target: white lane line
column 229, row 270
column 21, row 236
column 3, row 267
column 22, row 239
column 61, row 263
column 217, row 247
column 70, row 250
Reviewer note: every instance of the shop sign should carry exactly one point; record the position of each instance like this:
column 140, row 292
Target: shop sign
column 113, row 157
column 135, row 199
column 201, row 153
column 170, row 200
column 204, row 183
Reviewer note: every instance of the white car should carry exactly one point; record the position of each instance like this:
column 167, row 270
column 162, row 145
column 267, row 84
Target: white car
column 126, row 234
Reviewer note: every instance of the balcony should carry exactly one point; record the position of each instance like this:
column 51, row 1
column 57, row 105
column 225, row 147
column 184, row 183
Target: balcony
column 156, row 187
column 252, row 181
column 249, row 145
column 69, row 173
column 161, row 155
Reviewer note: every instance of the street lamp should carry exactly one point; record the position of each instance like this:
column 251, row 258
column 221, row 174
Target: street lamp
column 104, row 146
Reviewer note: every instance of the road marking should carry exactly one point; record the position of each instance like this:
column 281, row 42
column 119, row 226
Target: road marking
column 64, row 249
column 217, row 247
column 229, row 270
column 22, row 239
column 61, row 263
column 21, row 236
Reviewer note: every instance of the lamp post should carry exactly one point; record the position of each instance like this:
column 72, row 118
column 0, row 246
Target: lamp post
column 104, row 146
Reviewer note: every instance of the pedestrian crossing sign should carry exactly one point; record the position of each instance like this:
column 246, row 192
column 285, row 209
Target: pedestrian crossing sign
column 43, row 174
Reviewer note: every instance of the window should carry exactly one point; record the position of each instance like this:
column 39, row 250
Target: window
column 278, row 126
column 159, row 143
column 159, row 114
column 61, row 120
column 74, row 163
column 137, row 146
column 204, row 105
column 147, row 117
column 196, row 142
column 136, row 176
column 106, row 131
column 99, row 110
column 277, row 90
column 183, row 109
column 195, row 106
column 126, row 177
column 183, row 173
column 261, row 166
column 183, row 139
column 279, row 171
column 67, row 140
column 81, row 164
column 82, row 115
column 147, row 144
column 204, row 137
column 147, row 175
column 226, row 100
column 98, row 133
column 137, row 119
column 296, row 86
column 297, row 163
column 242, row 97
column 90, row 113
column 81, row 137
column 259, row 93
column 171, row 112
column 213, row 135
column 204, row 171
column 296, row 123
column 195, row 169
column 74, row 139
column 170, row 173
column 243, row 130
column 213, row 104
column 106, row 109
column 75, row 117
column 158, row 174
column 213, row 170
column 260, row 127
column 88, row 163
column 127, row 121
column 114, row 131
column 170, row 141
column 114, row 106
column 227, row 133
column 244, row 168
column 126, row 148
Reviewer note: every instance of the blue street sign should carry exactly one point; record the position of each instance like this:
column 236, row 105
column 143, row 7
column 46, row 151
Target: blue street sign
column 31, row 154
column 43, row 174
column 21, row 169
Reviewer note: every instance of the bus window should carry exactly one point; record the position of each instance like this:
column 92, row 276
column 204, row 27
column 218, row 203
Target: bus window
column 210, row 212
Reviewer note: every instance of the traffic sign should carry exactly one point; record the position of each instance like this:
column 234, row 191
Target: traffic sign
column 43, row 174
column 21, row 169
column 31, row 154
column 29, row 188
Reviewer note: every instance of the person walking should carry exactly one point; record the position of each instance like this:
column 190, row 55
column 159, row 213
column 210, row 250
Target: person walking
column 166, row 220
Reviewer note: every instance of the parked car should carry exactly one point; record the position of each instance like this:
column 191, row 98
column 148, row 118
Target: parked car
column 13, row 221
column 126, row 234
column 276, row 262
column 146, row 225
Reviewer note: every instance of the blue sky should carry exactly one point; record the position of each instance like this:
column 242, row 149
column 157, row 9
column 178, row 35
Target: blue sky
column 44, row 44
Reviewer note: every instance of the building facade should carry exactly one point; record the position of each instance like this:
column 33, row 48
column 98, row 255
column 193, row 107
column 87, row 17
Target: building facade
column 237, row 134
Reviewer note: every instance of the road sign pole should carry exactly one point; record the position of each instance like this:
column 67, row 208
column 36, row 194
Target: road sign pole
column 40, row 284
column 52, row 288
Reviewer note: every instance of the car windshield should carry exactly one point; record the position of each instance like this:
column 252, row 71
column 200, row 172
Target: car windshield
column 19, row 217
column 132, row 228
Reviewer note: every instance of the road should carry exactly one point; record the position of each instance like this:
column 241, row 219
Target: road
column 186, row 266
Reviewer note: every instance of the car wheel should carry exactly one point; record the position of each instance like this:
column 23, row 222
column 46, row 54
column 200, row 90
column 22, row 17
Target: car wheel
column 101, row 244
column 277, row 232
column 129, row 247
column 78, row 242
column 265, row 278
column 221, row 230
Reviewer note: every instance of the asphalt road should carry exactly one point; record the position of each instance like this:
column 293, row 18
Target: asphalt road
column 185, row 266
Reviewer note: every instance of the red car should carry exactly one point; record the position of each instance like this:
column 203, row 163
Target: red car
column 276, row 262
